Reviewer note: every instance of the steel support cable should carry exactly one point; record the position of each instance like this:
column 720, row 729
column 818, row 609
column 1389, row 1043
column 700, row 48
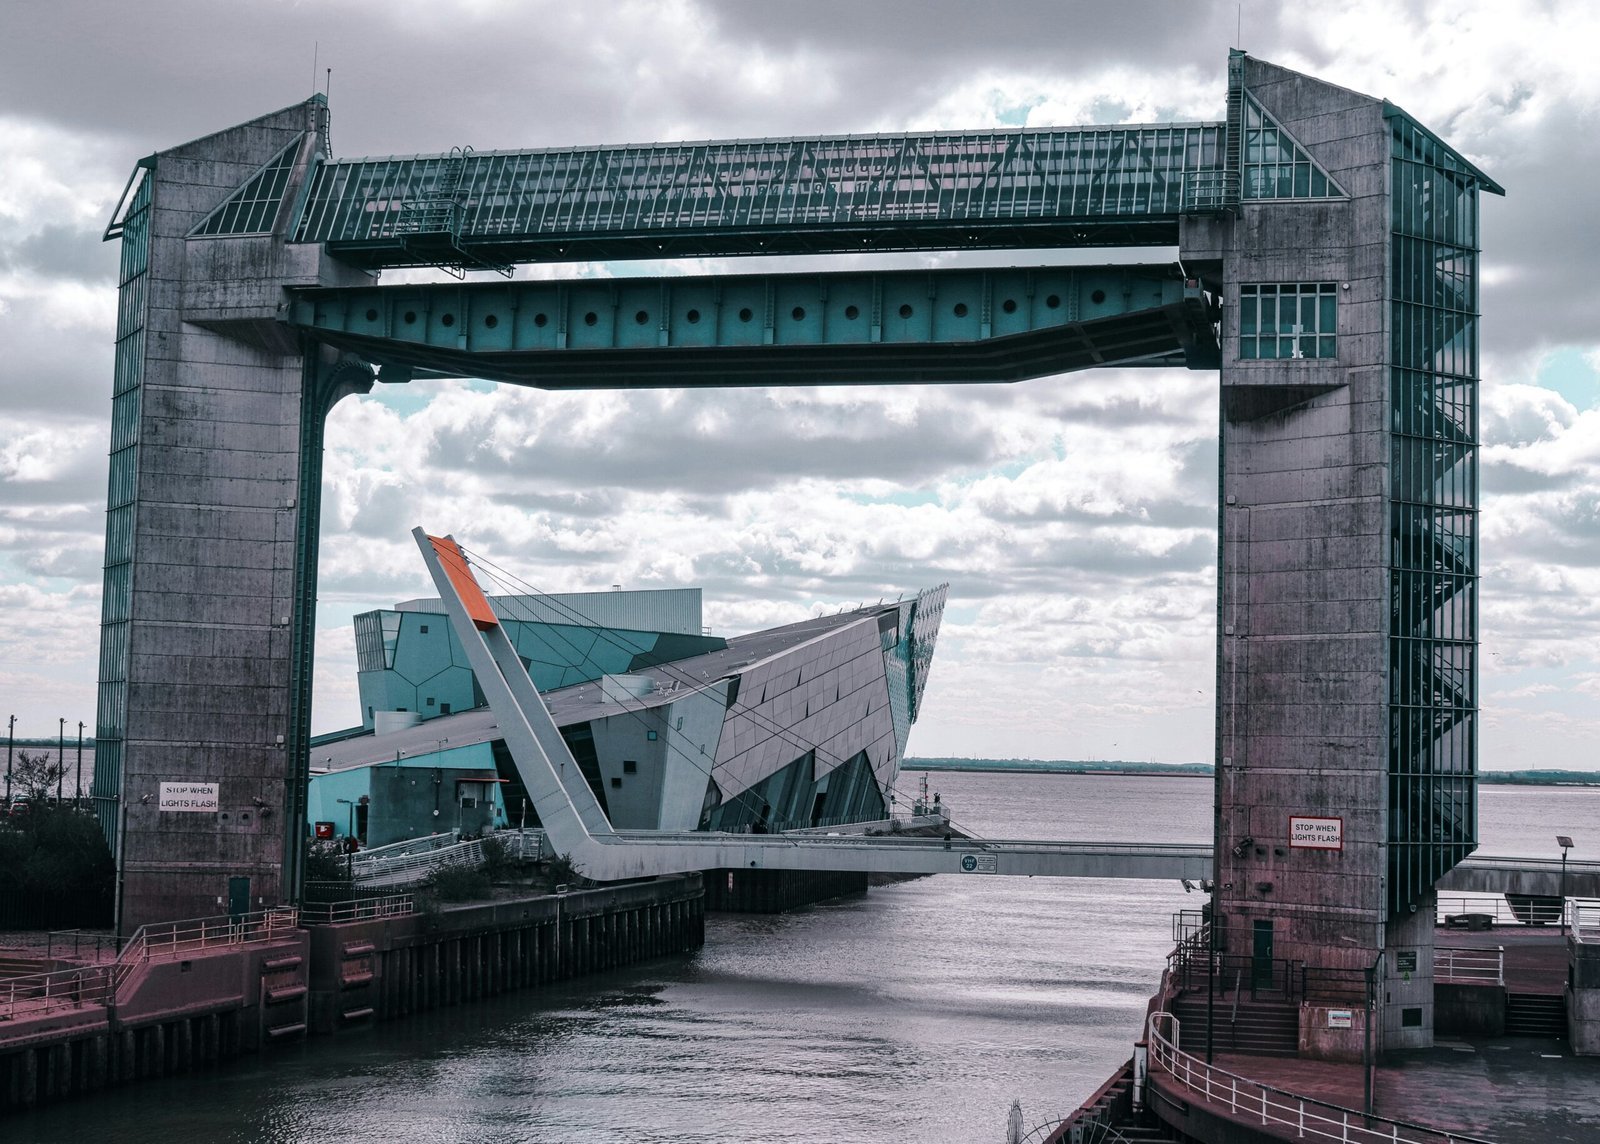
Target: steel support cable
column 502, row 576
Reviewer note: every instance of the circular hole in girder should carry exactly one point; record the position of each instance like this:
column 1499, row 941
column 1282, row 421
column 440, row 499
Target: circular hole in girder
column 745, row 315
column 1097, row 297
column 1009, row 305
column 693, row 316
column 372, row 315
column 1053, row 301
column 541, row 320
column 447, row 320
column 490, row 321
column 410, row 317
column 852, row 313
column 959, row 310
column 590, row 318
column 905, row 310
column 641, row 317
column 798, row 313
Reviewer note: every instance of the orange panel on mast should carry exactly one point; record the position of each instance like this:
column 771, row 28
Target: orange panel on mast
column 464, row 582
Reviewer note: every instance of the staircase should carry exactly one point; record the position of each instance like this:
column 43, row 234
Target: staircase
column 1261, row 1028
column 1108, row 1118
column 1536, row 1015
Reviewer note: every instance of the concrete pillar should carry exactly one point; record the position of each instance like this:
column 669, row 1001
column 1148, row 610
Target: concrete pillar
column 206, row 615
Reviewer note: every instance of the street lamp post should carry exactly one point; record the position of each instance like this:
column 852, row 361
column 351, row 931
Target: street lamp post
column 11, row 742
column 61, row 757
column 1565, row 842
column 78, row 798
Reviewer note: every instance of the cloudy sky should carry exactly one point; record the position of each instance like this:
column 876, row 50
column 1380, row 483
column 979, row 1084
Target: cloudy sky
column 1073, row 516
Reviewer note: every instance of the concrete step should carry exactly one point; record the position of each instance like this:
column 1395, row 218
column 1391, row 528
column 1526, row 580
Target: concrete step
column 1536, row 1015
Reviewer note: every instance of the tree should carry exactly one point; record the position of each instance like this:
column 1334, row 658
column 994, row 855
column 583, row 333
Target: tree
column 35, row 777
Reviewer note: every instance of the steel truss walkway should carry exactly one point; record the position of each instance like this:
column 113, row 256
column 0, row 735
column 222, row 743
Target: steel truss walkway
column 1049, row 187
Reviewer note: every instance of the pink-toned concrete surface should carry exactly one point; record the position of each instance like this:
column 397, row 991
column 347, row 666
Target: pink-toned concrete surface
column 1516, row 1090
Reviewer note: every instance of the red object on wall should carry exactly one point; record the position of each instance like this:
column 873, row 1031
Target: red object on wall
column 324, row 830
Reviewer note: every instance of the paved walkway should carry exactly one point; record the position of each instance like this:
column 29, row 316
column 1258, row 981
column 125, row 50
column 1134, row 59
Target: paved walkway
column 1516, row 1090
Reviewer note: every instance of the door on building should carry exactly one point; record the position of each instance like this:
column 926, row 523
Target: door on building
column 238, row 897
column 1261, row 954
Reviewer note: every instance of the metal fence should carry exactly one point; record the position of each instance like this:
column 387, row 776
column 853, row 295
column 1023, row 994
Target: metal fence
column 174, row 939
column 39, row 993
column 1476, row 966
column 357, row 910
column 1287, row 1112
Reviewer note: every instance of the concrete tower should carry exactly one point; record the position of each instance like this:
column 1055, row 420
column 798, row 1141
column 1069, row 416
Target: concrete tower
column 1346, row 621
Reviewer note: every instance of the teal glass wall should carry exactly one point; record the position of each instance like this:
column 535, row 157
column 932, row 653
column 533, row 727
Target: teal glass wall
column 133, row 226
column 1433, row 635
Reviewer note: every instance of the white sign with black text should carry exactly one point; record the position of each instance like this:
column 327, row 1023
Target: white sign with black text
column 1308, row 833
column 193, row 798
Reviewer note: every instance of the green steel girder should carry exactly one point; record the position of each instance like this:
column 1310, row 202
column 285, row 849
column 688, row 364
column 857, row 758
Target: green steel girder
column 775, row 329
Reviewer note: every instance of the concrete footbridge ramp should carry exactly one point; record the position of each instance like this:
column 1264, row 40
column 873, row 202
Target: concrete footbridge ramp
column 576, row 826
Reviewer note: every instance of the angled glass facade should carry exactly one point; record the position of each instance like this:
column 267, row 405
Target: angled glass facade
column 1433, row 696
column 253, row 208
column 1274, row 166
column 132, row 226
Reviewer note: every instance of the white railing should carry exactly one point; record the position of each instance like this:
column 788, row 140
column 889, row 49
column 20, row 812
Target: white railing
column 1304, row 1118
column 1477, row 966
column 37, row 993
column 358, row 910
column 375, row 859
column 393, row 866
column 173, row 939
column 1583, row 920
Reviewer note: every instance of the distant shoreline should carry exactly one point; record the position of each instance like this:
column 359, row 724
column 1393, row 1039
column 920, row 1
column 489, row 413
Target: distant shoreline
column 1125, row 769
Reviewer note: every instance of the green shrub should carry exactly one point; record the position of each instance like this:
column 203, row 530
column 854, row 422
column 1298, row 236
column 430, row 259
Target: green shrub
column 458, row 883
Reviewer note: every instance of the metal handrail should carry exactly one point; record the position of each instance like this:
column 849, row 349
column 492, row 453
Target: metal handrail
column 1470, row 965
column 171, row 939
column 38, row 993
column 1307, row 1118
column 358, row 909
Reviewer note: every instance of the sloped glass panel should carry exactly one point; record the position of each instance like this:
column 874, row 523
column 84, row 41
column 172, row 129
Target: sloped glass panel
column 1275, row 166
column 253, row 208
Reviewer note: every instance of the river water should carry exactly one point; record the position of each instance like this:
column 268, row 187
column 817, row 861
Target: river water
column 914, row 1013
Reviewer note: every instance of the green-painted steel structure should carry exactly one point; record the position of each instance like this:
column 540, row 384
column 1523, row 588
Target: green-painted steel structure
column 1320, row 246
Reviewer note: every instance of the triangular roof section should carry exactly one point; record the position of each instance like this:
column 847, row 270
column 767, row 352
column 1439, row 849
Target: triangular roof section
column 1273, row 164
column 253, row 207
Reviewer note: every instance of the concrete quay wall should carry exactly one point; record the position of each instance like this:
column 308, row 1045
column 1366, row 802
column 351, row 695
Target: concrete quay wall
column 176, row 1015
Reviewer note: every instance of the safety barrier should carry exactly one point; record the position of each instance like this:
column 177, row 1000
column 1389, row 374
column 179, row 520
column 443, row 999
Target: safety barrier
column 38, row 993
column 357, row 910
column 173, row 939
column 1475, row 966
column 1299, row 1116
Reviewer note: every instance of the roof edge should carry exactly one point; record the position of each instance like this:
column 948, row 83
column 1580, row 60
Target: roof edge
column 1393, row 110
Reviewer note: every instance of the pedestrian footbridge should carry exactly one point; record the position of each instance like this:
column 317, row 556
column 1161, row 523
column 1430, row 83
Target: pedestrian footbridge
column 575, row 825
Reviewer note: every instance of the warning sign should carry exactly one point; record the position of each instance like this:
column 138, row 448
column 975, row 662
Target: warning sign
column 1307, row 833
column 191, row 797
